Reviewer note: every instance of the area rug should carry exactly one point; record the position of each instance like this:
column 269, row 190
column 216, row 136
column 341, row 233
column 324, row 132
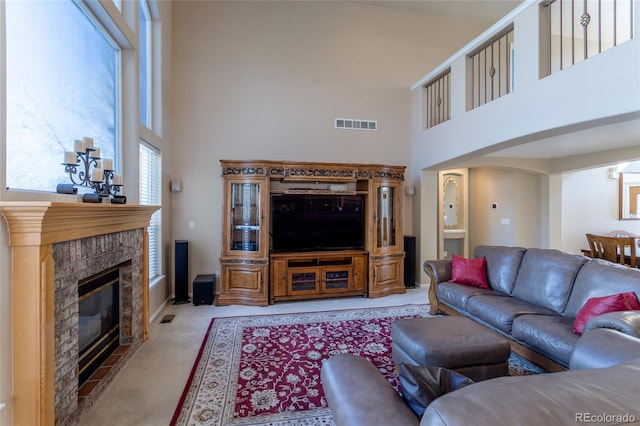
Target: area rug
column 265, row 370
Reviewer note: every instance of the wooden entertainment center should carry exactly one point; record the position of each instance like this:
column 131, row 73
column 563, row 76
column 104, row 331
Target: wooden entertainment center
column 254, row 274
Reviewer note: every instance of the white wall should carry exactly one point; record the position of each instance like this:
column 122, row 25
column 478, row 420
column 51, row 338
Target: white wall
column 265, row 80
column 516, row 195
column 590, row 205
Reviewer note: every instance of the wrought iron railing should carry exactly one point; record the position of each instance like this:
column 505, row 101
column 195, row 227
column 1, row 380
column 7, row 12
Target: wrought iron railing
column 437, row 100
column 491, row 69
column 580, row 29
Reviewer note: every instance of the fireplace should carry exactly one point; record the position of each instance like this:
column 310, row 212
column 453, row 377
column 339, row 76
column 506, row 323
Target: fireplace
column 55, row 245
column 98, row 321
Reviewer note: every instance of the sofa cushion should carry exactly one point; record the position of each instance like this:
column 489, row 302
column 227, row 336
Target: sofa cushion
column 546, row 277
column 601, row 305
column 542, row 399
column 469, row 271
column 601, row 278
column 500, row 311
column 456, row 295
column 552, row 335
column 502, row 265
column 423, row 384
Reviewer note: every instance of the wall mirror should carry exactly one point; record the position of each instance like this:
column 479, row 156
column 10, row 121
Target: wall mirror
column 629, row 196
column 451, row 196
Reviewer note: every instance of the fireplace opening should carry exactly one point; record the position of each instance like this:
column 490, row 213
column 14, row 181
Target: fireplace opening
column 99, row 321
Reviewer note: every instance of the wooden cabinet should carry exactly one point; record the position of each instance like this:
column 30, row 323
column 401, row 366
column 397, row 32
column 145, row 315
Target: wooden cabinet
column 244, row 263
column 386, row 251
column 252, row 275
column 318, row 274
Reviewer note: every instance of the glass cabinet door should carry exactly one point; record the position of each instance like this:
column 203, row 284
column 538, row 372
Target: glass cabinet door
column 386, row 216
column 245, row 216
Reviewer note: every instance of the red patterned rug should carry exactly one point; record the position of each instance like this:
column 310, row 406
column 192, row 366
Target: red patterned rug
column 266, row 369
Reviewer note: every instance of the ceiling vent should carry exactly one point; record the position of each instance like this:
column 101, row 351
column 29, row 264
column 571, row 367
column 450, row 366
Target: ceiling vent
column 356, row 124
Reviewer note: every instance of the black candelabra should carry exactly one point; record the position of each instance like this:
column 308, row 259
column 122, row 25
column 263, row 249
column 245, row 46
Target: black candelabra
column 86, row 168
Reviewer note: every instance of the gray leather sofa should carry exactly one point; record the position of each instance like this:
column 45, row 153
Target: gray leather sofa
column 534, row 298
column 359, row 395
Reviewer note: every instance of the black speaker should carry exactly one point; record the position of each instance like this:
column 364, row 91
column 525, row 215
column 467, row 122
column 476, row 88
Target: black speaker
column 181, row 272
column 203, row 289
column 409, row 261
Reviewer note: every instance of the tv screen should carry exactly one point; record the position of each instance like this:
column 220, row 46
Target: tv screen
column 307, row 222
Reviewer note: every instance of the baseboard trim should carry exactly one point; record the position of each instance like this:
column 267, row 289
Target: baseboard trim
column 160, row 308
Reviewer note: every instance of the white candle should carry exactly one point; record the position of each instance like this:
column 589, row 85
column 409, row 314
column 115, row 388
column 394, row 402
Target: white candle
column 95, row 153
column 97, row 175
column 98, row 164
column 107, row 163
column 88, row 142
column 70, row 158
column 117, row 179
column 79, row 146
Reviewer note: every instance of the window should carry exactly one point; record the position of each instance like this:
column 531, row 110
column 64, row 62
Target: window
column 150, row 194
column 144, row 57
column 61, row 85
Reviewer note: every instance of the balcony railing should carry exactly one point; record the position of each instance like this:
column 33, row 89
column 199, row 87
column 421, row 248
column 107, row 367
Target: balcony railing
column 438, row 100
column 491, row 69
column 579, row 29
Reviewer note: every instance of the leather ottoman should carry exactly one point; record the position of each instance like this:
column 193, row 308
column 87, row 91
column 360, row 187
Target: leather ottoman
column 457, row 343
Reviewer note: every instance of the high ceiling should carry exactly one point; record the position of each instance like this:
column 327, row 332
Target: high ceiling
column 490, row 11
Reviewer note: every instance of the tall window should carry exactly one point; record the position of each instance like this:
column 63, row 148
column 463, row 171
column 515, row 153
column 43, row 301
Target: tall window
column 61, row 85
column 144, row 57
column 150, row 194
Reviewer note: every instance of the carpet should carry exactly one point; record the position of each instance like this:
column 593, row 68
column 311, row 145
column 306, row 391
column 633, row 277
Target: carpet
column 265, row 369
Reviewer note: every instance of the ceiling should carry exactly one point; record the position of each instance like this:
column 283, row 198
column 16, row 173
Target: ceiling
column 594, row 139
column 486, row 10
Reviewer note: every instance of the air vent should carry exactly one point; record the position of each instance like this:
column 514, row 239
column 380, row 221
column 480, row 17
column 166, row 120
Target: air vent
column 356, row 124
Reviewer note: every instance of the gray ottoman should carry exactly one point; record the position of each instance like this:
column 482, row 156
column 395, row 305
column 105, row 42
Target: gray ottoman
column 457, row 343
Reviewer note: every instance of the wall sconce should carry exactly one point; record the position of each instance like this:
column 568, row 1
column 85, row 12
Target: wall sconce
column 408, row 190
column 176, row 185
column 612, row 173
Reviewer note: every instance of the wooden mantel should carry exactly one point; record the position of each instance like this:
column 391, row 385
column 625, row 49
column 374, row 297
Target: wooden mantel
column 33, row 229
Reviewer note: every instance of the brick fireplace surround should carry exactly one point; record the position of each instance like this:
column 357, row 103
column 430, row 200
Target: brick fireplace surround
column 54, row 245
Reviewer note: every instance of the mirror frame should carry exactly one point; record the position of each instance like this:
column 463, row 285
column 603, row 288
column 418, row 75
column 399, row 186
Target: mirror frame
column 626, row 194
column 450, row 180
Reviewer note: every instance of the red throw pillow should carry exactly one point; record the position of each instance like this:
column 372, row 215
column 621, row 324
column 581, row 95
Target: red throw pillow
column 601, row 305
column 469, row 271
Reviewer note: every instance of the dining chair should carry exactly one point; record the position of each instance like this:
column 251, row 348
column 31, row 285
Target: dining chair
column 614, row 249
column 623, row 233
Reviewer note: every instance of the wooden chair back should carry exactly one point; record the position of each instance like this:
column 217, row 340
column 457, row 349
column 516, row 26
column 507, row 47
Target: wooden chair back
column 614, row 249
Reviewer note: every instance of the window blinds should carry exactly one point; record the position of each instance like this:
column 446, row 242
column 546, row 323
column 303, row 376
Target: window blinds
column 150, row 195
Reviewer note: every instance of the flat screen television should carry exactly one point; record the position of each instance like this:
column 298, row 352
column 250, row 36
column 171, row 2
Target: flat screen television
column 308, row 222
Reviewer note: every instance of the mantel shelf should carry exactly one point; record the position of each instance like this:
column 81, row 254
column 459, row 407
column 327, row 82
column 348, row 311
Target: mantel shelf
column 41, row 222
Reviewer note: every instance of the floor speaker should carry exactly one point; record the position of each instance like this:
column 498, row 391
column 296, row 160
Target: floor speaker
column 410, row 261
column 181, row 270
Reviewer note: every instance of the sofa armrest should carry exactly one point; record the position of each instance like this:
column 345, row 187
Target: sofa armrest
column 438, row 271
column 627, row 322
column 359, row 395
column 603, row 347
